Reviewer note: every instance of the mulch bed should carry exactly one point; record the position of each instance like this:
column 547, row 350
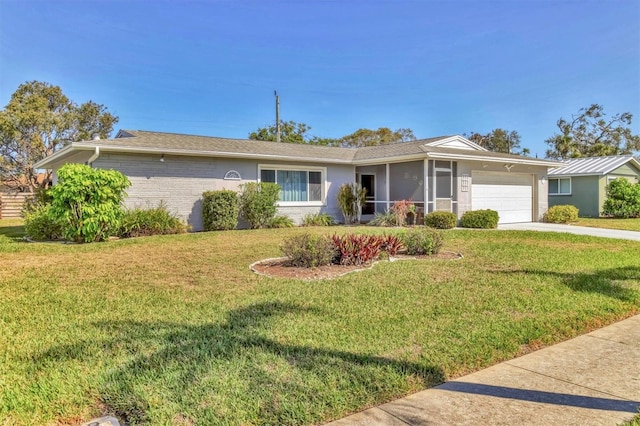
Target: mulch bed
column 278, row 267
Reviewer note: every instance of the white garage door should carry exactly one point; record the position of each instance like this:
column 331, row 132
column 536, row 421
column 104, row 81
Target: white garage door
column 510, row 194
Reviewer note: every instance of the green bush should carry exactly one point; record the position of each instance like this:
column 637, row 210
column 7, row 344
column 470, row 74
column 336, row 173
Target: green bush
column 258, row 203
column 39, row 198
column 484, row 219
column 154, row 221
column 387, row 218
column 220, row 210
column 280, row 222
column 422, row 241
column 318, row 219
column 40, row 224
column 441, row 220
column 623, row 199
column 308, row 251
column 561, row 214
column 88, row 202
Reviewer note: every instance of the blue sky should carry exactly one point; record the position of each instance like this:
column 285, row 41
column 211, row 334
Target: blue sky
column 437, row 67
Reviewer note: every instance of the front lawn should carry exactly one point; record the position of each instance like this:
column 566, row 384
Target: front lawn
column 177, row 330
column 624, row 224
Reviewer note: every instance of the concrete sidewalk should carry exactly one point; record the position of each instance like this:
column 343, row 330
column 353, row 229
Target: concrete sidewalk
column 593, row 379
column 580, row 230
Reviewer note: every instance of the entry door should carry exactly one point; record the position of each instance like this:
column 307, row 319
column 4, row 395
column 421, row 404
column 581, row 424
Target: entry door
column 444, row 189
column 368, row 182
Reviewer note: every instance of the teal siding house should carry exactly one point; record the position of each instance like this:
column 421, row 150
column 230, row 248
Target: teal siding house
column 582, row 181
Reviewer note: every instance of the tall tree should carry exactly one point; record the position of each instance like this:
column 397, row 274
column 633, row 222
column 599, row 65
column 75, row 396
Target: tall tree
column 500, row 140
column 591, row 134
column 381, row 136
column 38, row 121
column 290, row 132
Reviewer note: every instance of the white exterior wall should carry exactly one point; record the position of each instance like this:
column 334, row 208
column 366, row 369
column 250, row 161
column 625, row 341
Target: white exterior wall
column 180, row 181
column 540, row 187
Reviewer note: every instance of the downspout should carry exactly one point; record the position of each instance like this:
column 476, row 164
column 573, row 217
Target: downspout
column 94, row 157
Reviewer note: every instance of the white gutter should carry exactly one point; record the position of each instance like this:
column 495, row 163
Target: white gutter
column 94, row 157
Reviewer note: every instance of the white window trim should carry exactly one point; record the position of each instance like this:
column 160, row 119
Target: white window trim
column 286, row 167
column 232, row 175
column 559, row 179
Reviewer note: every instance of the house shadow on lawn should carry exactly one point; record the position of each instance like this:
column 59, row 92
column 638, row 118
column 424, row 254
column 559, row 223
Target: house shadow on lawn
column 608, row 282
column 175, row 358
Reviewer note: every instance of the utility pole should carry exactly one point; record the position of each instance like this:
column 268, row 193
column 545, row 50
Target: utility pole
column 277, row 116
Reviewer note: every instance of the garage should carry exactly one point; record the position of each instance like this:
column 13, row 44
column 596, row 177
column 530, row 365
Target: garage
column 510, row 194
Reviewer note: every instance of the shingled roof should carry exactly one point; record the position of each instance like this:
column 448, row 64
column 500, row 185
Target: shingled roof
column 140, row 141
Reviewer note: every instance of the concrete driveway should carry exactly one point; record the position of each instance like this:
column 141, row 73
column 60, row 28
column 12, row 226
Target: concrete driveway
column 580, row 230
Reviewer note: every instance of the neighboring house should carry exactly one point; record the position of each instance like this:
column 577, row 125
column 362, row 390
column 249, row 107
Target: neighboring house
column 582, row 181
column 447, row 173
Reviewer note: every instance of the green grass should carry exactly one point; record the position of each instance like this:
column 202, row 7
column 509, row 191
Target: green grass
column 177, row 330
column 624, row 224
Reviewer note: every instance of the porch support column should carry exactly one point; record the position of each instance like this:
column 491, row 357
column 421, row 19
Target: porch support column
column 425, row 185
column 388, row 186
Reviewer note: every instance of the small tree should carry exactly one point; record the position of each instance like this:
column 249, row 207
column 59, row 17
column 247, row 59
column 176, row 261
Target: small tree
column 351, row 197
column 623, row 199
column 88, row 202
column 258, row 203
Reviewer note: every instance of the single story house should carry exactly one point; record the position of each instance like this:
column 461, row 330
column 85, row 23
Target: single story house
column 447, row 173
column 582, row 181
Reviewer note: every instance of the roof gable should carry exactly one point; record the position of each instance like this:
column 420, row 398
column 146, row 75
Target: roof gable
column 456, row 142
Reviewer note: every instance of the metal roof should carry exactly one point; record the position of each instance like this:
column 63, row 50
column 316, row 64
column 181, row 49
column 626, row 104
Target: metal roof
column 593, row 165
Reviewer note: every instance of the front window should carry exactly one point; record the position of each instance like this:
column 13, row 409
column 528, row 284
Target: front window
column 560, row 186
column 296, row 185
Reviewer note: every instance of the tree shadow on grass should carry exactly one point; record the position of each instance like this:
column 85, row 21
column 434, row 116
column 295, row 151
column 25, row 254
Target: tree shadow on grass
column 612, row 282
column 271, row 381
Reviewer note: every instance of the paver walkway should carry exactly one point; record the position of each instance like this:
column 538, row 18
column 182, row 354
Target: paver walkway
column 580, row 230
column 593, row 379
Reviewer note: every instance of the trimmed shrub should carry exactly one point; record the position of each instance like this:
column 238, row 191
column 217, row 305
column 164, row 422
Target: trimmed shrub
column 220, row 210
column 258, row 203
column 88, row 202
column 387, row 218
column 424, row 241
column 308, row 251
column 441, row 220
column 318, row 219
column 40, row 224
column 154, row 221
column 281, row 222
column 484, row 219
column 561, row 214
column 623, row 199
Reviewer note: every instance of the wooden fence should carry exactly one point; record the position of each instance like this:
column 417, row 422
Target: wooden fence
column 11, row 204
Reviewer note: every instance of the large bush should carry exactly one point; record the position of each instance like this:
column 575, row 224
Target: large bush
column 154, row 221
column 561, row 214
column 422, row 241
column 623, row 199
column 484, row 219
column 41, row 224
column 441, row 220
column 258, row 203
column 88, row 202
column 308, row 250
column 220, row 210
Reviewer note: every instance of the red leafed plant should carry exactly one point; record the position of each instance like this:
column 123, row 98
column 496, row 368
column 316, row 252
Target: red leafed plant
column 356, row 249
column 391, row 244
